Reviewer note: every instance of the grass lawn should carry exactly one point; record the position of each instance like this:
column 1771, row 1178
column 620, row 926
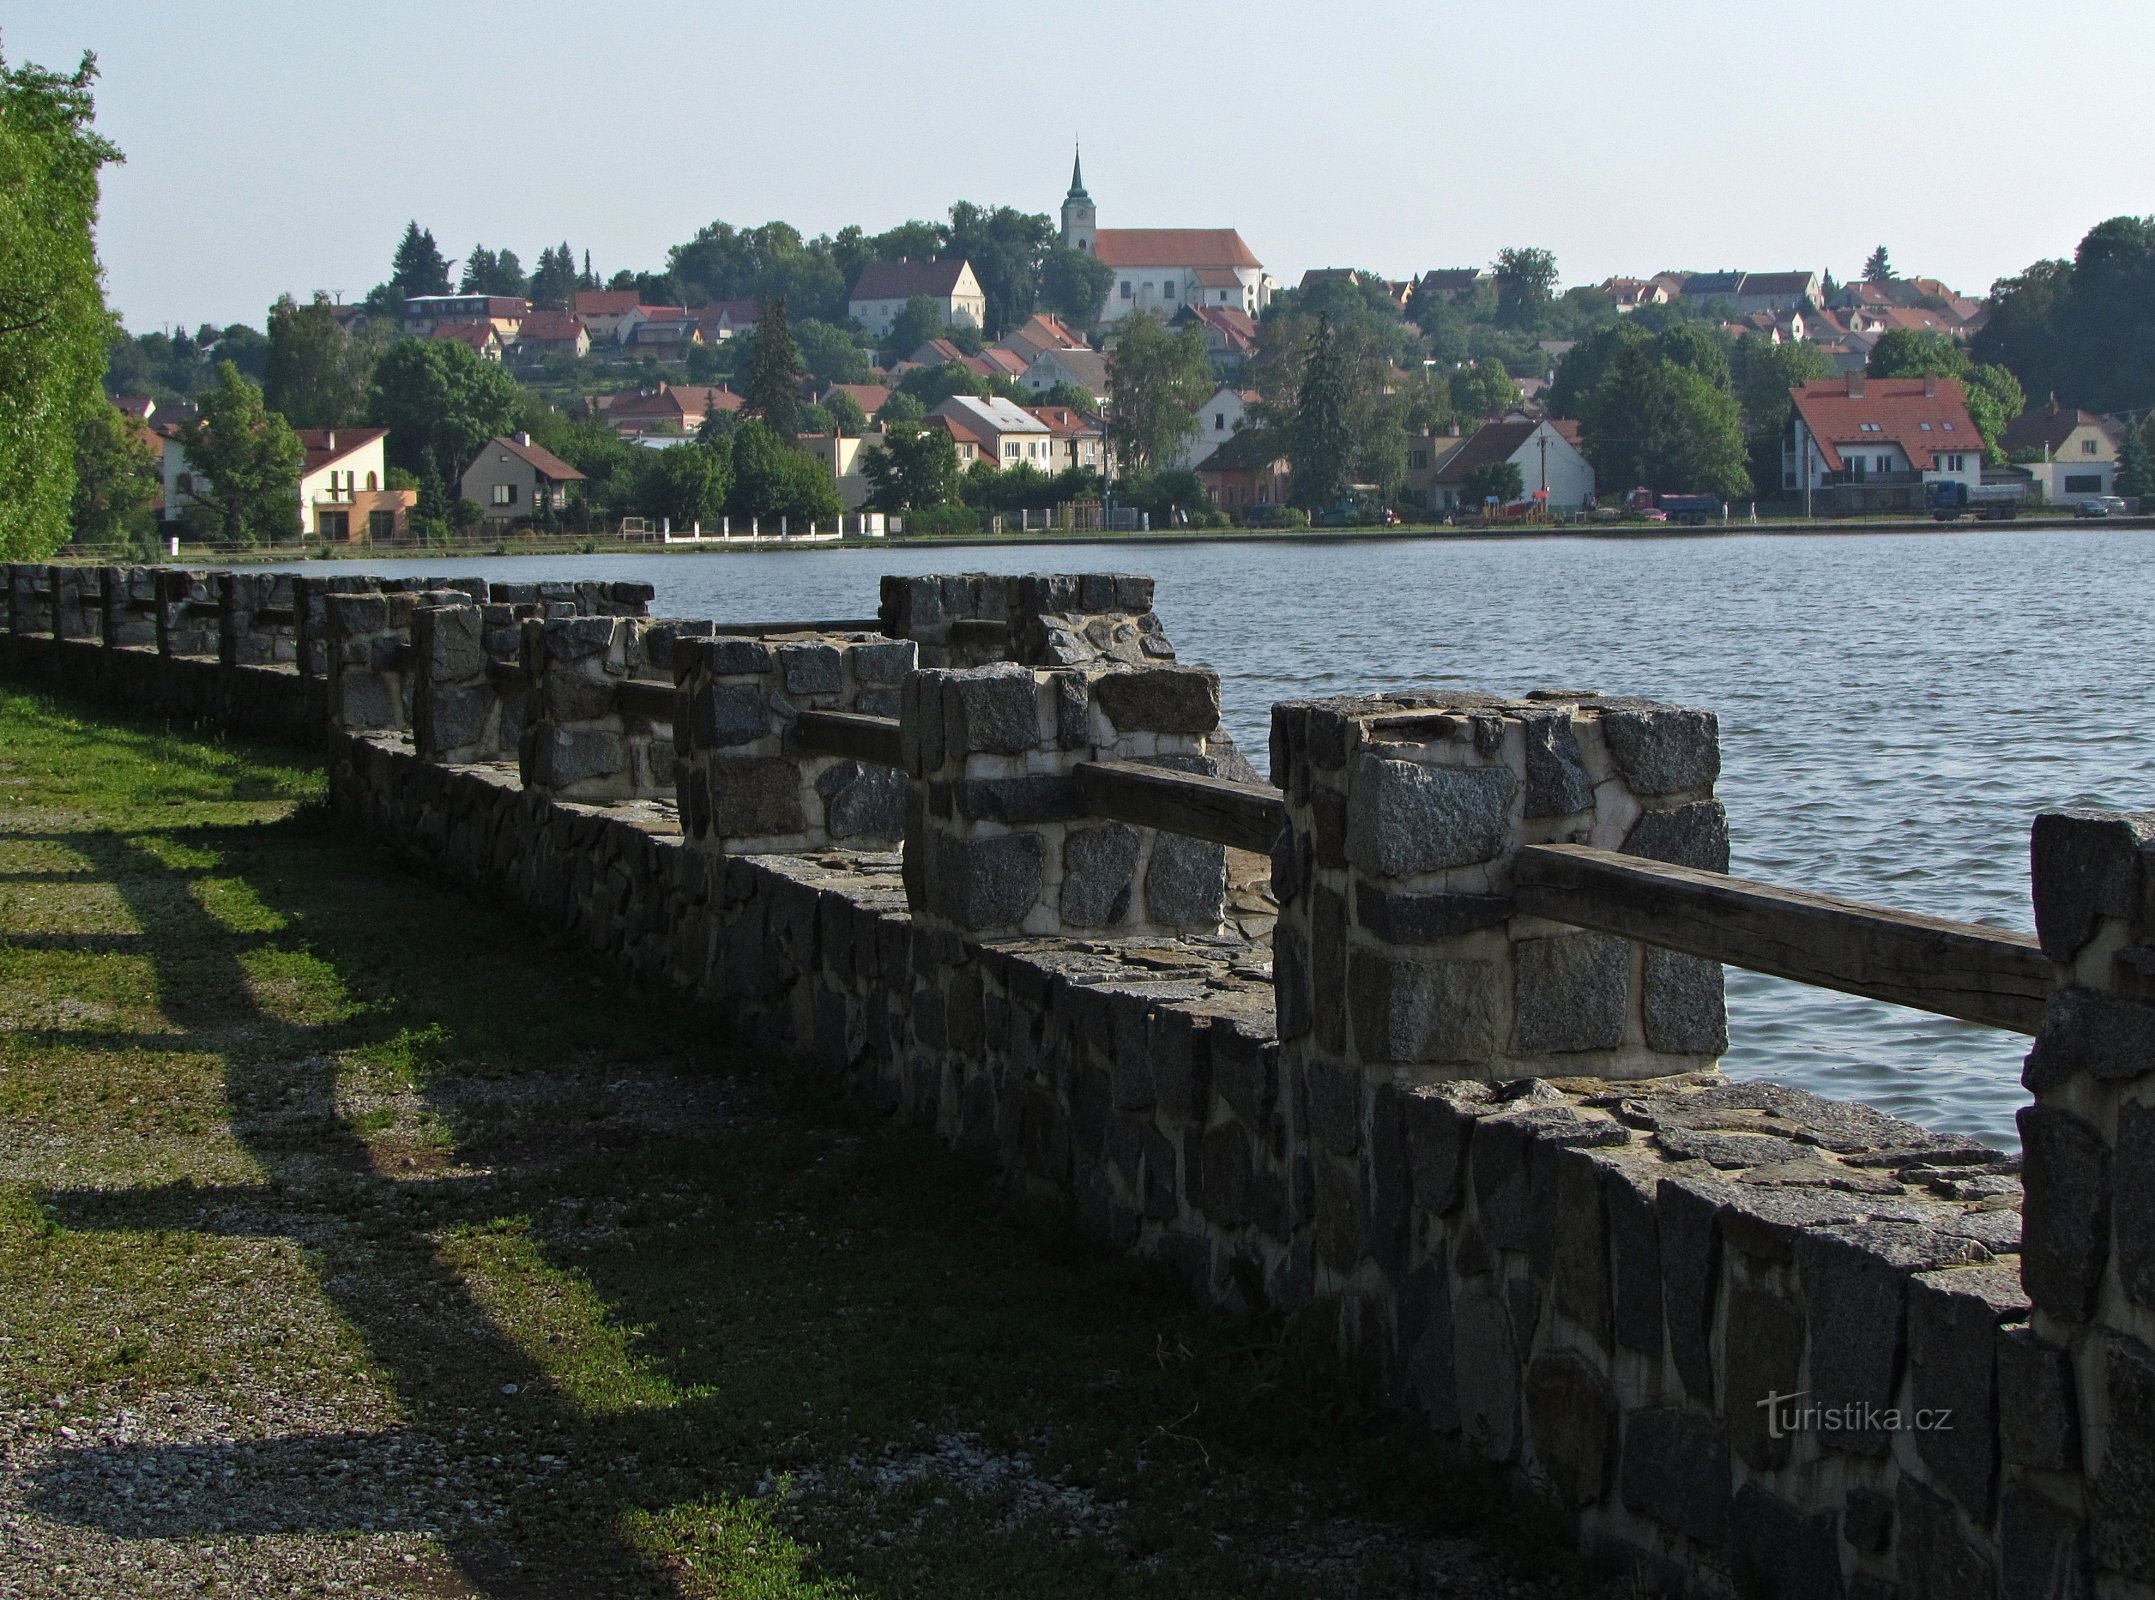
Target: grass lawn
column 357, row 1238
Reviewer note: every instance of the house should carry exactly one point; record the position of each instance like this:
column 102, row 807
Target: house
column 1164, row 269
column 1039, row 333
column 513, row 480
column 884, row 287
column 1246, row 472
column 841, row 455
column 1001, row 363
column 722, row 319
column 137, row 408
column 2079, row 452
column 1427, row 452
column 1008, row 435
column 608, row 313
column 1085, row 370
column 1551, row 469
column 423, row 312
column 870, row 397
column 549, row 333
column 971, row 446
column 1449, row 284
column 1856, row 429
column 483, row 339
column 666, row 407
column 1219, row 419
column 1076, row 439
column 343, row 491
column 1632, row 293
column 1230, row 335
column 664, row 331
column 935, row 353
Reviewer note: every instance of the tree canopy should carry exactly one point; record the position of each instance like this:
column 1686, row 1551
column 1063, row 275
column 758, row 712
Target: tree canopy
column 118, row 477
column 2082, row 330
column 246, row 462
column 1074, row 284
column 440, row 401
column 1156, row 380
column 316, row 375
column 419, row 266
column 774, row 369
column 492, row 272
column 914, row 468
column 1321, row 442
column 1655, row 422
column 1993, row 395
column 1878, row 266
column 53, row 324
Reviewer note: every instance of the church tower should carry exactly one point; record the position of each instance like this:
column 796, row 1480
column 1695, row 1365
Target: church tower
column 1078, row 214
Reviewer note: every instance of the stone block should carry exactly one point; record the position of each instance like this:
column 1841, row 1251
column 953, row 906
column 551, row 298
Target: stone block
column 2121, row 1488
column 885, row 664
column 1426, row 1344
column 1690, row 1248
column 727, row 714
column 991, row 710
column 2066, row 1214
column 1036, row 798
column 1557, row 784
column 2044, row 1550
column 1438, row 1119
column 1433, row 1012
column 1867, row 1520
column 755, row 797
column 1569, row 993
column 449, row 642
column 1571, row 1419
column 1953, row 1319
column 728, row 658
column 1404, row 818
column 1099, row 870
column 1764, row 1352
column 567, row 757
column 2038, row 1410
column 811, row 668
column 366, row 700
column 456, row 717
column 1398, row 916
column 1694, row 835
column 1683, row 1003
column 988, row 882
column 1779, row 1553
column 1485, row 1364
column 1341, row 1240
column 1635, row 1251
column 1224, row 1167
column 1937, row 1561
column 1185, row 882
column 2084, row 866
column 1328, row 967
column 2133, row 1219
column 2086, row 1032
column 1663, row 749
column 1160, row 699
column 576, row 638
column 1579, row 1270
column 1676, row 1470
column 1245, row 1073
column 862, row 801
column 569, row 696
column 1334, row 1098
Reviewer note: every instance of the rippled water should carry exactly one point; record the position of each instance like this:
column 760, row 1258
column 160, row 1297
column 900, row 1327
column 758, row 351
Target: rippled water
column 1894, row 709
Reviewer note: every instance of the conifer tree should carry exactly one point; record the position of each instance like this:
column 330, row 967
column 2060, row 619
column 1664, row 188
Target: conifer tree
column 420, row 267
column 1321, row 447
column 774, row 368
column 1878, row 267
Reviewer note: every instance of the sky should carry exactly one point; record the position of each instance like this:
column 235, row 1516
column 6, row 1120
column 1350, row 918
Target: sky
column 278, row 147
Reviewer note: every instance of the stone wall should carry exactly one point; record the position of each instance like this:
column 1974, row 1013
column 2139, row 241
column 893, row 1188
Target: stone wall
column 1754, row 1341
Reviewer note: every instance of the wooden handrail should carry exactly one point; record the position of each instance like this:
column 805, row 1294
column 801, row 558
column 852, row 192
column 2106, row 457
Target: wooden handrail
column 757, row 630
column 649, row 698
column 1243, row 816
column 850, row 735
column 1955, row 969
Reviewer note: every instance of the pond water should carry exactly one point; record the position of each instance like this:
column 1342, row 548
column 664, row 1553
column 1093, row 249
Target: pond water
column 1894, row 708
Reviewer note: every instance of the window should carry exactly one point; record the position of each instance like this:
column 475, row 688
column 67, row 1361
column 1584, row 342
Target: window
column 1926, row 427
column 333, row 524
column 381, row 524
column 1885, row 463
column 1219, row 422
column 1947, row 426
column 186, row 483
column 1010, row 448
column 504, row 494
column 2087, row 447
column 1126, row 288
column 2084, row 483
column 371, row 484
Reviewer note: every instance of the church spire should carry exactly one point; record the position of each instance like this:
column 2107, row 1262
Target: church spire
column 1077, row 173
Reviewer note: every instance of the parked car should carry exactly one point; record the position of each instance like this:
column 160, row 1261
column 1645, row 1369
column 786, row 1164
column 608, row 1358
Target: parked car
column 2100, row 505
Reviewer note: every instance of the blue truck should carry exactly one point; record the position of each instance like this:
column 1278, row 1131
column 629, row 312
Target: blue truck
column 1950, row 500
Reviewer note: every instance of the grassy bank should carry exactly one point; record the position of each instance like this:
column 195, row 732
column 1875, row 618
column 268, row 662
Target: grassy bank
column 354, row 1238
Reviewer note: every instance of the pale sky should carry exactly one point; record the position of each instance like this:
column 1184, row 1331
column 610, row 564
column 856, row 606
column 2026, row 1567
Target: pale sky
column 281, row 146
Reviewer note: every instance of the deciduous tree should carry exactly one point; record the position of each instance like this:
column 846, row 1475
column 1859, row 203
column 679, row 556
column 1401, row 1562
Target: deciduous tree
column 914, row 468
column 1074, row 284
column 1526, row 281
column 1652, row 422
column 439, row 398
column 773, row 478
column 1156, row 380
column 118, row 476
column 1501, row 481
column 245, row 461
column 316, row 376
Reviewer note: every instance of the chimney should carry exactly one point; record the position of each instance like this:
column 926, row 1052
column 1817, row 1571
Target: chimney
column 332, row 438
column 523, row 438
column 1855, row 384
column 1930, row 385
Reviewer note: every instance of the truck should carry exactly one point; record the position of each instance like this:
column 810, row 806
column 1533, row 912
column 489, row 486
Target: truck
column 1692, row 510
column 1950, row 500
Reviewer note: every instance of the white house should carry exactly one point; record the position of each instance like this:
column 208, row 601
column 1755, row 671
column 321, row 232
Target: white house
column 609, row 314
column 1546, row 454
column 884, row 287
column 1857, row 429
column 343, row 485
column 1219, row 419
column 1081, row 369
column 2079, row 458
column 1009, row 435
column 1164, row 269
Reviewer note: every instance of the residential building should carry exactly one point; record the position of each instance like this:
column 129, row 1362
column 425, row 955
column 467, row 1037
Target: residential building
column 1219, row 419
column 667, row 407
column 1861, row 430
column 841, row 455
column 610, row 314
column 343, row 479
column 1450, row 284
column 1081, row 369
column 1246, row 472
column 1426, row 454
column 1039, row 333
column 883, row 289
column 723, row 319
column 1007, row 433
column 423, row 312
column 870, row 397
column 548, row 333
column 483, row 339
column 1075, row 438
column 2078, row 451
column 665, row 332
column 1632, row 293
column 1746, row 292
column 1230, row 335
column 1164, row 269
column 1551, row 469
column 971, row 446
column 513, row 480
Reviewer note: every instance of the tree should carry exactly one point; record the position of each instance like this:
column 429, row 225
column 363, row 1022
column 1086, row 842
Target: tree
column 1878, row 266
column 1526, row 279
column 440, row 401
column 1697, row 349
column 1320, row 443
column 1915, row 353
column 1156, row 380
column 419, row 266
column 687, row 484
column 2136, row 465
column 246, row 460
column 1074, row 284
column 774, row 370
column 1582, row 366
column 1501, row 481
column 845, row 413
column 554, row 281
column 491, row 272
column 1652, row 422
column 918, row 320
column 772, row 478
column 119, row 474
column 1005, row 247
column 830, row 353
column 1484, row 389
column 1994, row 398
column 316, row 376
column 1767, row 373
column 914, row 468
column 54, row 329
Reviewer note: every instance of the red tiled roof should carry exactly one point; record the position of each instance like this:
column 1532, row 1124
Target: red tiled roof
column 901, row 280
column 541, row 459
column 552, row 327
column 324, row 445
column 1492, row 441
column 605, row 302
column 1173, row 247
column 476, row 334
column 671, row 401
column 1921, row 415
column 2048, row 427
column 137, row 406
column 1064, row 422
column 870, row 397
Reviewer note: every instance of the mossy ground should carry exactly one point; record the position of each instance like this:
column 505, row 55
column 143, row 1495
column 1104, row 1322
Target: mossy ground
column 357, row 1238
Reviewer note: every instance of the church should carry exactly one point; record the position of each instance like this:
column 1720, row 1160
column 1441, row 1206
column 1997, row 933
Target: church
column 1163, row 270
